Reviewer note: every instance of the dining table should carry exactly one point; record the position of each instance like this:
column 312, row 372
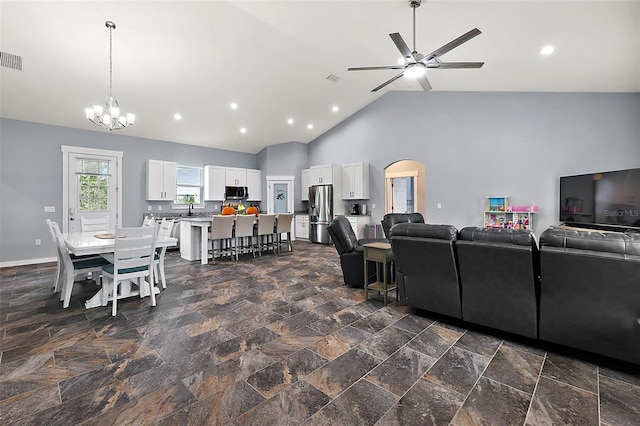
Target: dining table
column 92, row 243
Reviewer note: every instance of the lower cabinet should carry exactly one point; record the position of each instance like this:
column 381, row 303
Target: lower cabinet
column 359, row 225
column 302, row 226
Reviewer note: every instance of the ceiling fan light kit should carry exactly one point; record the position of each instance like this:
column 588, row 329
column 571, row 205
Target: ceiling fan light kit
column 415, row 64
column 109, row 116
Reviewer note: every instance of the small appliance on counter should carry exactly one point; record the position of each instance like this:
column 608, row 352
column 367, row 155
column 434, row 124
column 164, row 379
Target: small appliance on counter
column 354, row 210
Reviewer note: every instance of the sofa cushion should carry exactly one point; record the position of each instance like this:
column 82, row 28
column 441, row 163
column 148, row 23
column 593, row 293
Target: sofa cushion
column 596, row 241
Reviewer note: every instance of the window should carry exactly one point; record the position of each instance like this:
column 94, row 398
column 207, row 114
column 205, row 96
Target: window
column 189, row 188
column 93, row 185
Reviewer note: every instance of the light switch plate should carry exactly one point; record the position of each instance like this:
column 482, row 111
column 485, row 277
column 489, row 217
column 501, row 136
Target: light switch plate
column 49, row 209
column 149, row 208
column 439, row 206
column 159, row 208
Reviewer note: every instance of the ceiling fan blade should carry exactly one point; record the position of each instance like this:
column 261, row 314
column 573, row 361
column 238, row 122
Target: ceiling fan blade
column 424, row 83
column 402, row 46
column 391, row 80
column 454, row 65
column 451, row 45
column 389, row 67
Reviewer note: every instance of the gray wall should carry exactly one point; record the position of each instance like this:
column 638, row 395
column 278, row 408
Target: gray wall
column 31, row 178
column 285, row 159
column 473, row 145
column 476, row 144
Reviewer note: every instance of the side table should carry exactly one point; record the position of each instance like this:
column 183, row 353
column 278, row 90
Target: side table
column 382, row 254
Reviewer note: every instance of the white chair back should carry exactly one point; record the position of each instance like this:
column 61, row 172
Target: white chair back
column 283, row 221
column 221, row 227
column 244, row 225
column 94, row 224
column 266, row 224
column 148, row 221
column 134, row 248
column 165, row 227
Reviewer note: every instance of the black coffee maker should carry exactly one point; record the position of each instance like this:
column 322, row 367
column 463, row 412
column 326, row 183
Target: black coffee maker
column 355, row 209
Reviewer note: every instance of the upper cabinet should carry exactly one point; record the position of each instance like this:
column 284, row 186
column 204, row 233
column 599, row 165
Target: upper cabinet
column 236, row 177
column 254, row 184
column 326, row 174
column 305, row 182
column 217, row 177
column 214, row 183
column 161, row 180
column 355, row 181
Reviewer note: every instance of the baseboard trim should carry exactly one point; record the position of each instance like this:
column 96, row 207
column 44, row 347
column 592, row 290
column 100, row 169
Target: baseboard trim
column 27, row 262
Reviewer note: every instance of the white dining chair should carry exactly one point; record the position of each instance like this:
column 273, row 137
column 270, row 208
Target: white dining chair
column 283, row 226
column 221, row 232
column 266, row 232
column 69, row 269
column 148, row 221
column 133, row 260
column 164, row 230
column 244, row 232
column 94, row 224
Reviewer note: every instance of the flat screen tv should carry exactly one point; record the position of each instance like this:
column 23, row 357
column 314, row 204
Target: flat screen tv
column 606, row 200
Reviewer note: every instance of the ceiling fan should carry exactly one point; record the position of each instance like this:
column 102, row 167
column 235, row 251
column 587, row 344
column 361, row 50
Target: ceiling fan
column 416, row 64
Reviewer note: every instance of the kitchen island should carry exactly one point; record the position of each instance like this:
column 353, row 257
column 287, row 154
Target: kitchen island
column 194, row 238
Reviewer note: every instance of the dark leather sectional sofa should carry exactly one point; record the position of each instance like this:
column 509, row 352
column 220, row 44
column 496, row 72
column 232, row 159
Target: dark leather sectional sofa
column 581, row 289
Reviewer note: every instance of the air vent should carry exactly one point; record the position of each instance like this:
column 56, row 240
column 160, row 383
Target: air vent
column 333, row 78
column 9, row 60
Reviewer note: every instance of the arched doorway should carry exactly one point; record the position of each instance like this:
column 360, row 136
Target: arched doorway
column 405, row 187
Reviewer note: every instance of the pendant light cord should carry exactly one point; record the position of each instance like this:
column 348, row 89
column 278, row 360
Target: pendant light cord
column 414, row 29
column 111, row 60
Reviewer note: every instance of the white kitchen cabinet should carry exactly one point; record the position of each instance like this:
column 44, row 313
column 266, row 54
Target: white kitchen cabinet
column 236, row 177
column 355, row 181
column 327, row 174
column 214, row 182
column 254, row 184
column 305, row 182
column 302, row 226
column 359, row 225
column 161, row 180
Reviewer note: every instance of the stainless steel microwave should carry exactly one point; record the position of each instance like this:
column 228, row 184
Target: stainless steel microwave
column 236, row 192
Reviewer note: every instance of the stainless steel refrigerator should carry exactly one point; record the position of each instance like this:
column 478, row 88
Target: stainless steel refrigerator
column 320, row 213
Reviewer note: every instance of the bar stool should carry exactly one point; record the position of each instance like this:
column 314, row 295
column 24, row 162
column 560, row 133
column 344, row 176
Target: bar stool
column 283, row 226
column 266, row 232
column 221, row 231
column 244, row 230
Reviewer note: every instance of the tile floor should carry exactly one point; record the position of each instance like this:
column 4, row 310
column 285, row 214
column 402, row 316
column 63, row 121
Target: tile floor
column 278, row 340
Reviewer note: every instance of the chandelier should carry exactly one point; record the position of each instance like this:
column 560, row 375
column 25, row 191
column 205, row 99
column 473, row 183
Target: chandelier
column 109, row 116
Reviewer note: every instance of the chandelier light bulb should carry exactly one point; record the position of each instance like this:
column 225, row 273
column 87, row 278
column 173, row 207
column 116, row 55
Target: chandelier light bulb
column 109, row 117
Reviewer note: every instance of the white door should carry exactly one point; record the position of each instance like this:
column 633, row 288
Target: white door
column 280, row 196
column 91, row 186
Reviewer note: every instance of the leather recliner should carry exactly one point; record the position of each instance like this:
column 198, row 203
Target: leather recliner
column 351, row 251
column 390, row 219
column 426, row 267
column 590, row 292
column 499, row 275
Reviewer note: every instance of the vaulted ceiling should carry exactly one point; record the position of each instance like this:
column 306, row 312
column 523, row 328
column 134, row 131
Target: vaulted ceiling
column 272, row 58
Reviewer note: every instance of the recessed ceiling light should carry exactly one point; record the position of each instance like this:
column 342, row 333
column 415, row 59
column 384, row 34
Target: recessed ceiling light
column 177, row 116
column 234, row 105
column 335, row 108
column 547, row 50
column 243, row 130
column 309, row 126
column 290, row 121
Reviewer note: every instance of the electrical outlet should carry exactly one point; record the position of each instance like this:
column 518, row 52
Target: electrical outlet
column 439, row 206
column 149, row 208
column 215, row 207
column 159, row 208
column 38, row 242
column 373, row 206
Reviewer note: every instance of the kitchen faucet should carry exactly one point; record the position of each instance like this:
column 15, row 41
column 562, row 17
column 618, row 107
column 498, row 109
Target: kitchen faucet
column 190, row 207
